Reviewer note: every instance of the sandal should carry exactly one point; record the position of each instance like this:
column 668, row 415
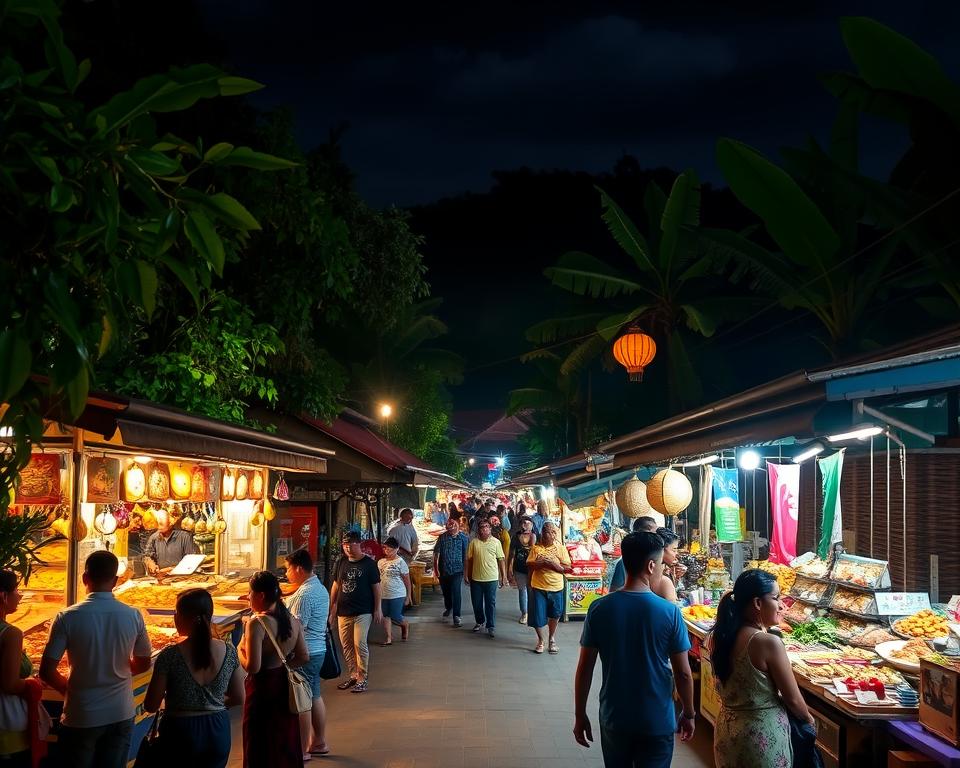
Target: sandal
column 318, row 751
column 554, row 648
column 539, row 648
column 384, row 645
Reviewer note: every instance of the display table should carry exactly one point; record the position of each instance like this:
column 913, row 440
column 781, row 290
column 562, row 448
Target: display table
column 419, row 580
column 914, row 735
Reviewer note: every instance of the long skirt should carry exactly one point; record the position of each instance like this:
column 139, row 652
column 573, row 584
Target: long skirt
column 271, row 733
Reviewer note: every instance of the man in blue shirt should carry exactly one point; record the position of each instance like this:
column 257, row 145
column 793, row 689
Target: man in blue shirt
column 642, row 644
column 449, row 560
column 619, row 577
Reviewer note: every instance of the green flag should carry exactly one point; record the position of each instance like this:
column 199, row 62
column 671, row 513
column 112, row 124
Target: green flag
column 832, row 525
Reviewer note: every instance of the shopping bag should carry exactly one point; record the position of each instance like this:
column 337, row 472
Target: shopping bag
column 331, row 668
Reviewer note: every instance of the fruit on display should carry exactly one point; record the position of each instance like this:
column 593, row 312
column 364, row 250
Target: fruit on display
column 925, row 624
column 699, row 613
column 716, row 562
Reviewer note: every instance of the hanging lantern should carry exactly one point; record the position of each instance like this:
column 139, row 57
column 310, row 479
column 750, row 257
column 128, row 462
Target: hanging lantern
column 105, row 522
column 158, row 481
column 198, row 485
column 242, row 484
column 632, row 499
column 635, row 350
column 134, row 482
column 180, row 482
column 256, row 485
column 228, row 488
column 669, row 492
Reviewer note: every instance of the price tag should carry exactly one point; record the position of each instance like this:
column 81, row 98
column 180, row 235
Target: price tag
column 901, row 603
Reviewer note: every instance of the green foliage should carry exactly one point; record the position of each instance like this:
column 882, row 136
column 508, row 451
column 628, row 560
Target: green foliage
column 422, row 424
column 18, row 537
column 102, row 216
column 214, row 362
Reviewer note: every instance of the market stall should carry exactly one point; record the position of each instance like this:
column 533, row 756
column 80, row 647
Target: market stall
column 146, row 468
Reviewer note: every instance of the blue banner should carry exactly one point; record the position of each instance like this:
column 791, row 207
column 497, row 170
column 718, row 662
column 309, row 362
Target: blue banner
column 726, row 504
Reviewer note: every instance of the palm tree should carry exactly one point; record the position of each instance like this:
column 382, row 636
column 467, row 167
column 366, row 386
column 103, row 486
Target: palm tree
column 670, row 291
column 556, row 395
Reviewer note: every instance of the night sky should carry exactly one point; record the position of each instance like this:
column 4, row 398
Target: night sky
column 438, row 95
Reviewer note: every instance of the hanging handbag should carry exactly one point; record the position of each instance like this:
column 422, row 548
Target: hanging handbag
column 149, row 753
column 331, row 668
column 299, row 693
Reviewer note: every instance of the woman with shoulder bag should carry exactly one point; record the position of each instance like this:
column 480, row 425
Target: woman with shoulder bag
column 198, row 678
column 271, row 732
column 15, row 668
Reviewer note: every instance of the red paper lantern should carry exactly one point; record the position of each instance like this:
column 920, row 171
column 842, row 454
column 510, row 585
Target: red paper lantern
column 635, row 350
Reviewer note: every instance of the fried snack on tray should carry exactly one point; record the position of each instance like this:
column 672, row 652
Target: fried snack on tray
column 805, row 588
column 924, row 623
column 843, row 671
column 853, row 602
column 151, row 596
column 873, row 637
column 861, row 574
column 913, row 651
column 160, row 639
column 816, row 568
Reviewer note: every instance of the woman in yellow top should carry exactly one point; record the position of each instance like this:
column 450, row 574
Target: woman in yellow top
column 546, row 564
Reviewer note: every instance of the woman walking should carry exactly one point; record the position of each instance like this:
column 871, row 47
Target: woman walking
column 198, row 678
column 517, row 564
column 755, row 681
column 547, row 562
column 271, row 732
column 395, row 583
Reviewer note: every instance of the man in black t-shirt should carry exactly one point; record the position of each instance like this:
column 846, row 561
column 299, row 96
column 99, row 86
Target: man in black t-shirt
column 355, row 604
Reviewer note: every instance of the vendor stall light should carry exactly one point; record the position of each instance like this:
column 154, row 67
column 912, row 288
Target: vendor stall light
column 142, row 459
column 549, row 493
column 634, row 350
column 6, row 432
column 857, row 434
column 180, row 482
column 814, row 450
column 386, row 411
column 471, row 461
column 749, row 460
column 701, row 461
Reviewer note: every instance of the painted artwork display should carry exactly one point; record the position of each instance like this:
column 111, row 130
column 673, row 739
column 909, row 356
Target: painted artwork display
column 103, row 480
column 40, row 480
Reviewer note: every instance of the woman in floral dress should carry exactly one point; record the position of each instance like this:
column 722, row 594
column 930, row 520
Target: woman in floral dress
column 756, row 685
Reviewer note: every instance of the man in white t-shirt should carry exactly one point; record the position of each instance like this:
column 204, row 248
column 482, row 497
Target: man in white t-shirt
column 404, row 532
column 107, row 644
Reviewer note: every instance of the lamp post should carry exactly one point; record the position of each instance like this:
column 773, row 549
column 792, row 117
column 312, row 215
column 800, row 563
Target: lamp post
column 386, row 411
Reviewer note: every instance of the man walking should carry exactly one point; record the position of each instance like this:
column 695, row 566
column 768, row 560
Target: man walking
column 107, row 644
column 449, row 560
column 485, row 574
column 311, row 604
column 637, row 716
column 406, row 535
column 355, row 603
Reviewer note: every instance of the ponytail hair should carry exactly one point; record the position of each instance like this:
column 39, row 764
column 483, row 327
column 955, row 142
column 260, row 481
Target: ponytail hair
column 268, row 585
column 195, row 606
column 750, row 584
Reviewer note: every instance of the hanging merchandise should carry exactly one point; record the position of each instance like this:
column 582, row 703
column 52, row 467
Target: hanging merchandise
column 242, row 485
column 269, row 513
column 831, row 468
column 188, row 522
column 213, row 483
column 726, row 504
column 281, row 492
column 103, row 480
column 257, row 517
column 198, row 484
column 105, row 522
column 123, row 515
column 40, row 480
column 669, row 492
column 632, row 499
column 180, row 482
column 228, row 486
column 135, row 482
column 256, row 485
column 784, row 482
column 149, row 519
column 158, row 481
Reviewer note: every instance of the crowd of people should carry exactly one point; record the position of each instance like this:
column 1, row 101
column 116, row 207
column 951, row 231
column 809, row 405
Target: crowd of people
column 636, row 632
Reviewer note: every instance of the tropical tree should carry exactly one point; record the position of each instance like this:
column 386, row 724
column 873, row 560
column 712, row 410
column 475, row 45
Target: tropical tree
column 668, row 289
column 557, row 400
column 101, row 213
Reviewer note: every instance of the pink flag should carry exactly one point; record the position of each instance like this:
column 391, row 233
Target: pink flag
column 784, row 502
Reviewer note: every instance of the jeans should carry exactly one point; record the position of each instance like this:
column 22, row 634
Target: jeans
column 483, row 595
column 353, row 640
column 204, row 738
column 106, row 746
column 523, row 590
column 629, row 749
column 450, row 585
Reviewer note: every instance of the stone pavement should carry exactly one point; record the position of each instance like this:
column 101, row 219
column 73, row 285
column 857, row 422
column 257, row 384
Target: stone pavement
column 449, row 698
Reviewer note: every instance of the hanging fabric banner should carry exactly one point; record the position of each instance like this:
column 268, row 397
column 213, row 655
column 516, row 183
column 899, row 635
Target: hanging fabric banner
column 726, row 504
column 831, row 468
column 706, row 485
column 784, row 480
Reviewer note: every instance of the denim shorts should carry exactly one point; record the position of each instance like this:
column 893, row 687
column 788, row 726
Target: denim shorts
column 393, row 609
column 311, row 671
column 544, row 605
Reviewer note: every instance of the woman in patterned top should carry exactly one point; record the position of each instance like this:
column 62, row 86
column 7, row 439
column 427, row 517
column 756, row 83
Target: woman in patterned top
column 199, row 677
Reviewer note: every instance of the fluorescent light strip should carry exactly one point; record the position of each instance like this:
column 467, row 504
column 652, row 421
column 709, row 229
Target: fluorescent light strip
column 814, row 450
column 701, row 461
column 857, row 434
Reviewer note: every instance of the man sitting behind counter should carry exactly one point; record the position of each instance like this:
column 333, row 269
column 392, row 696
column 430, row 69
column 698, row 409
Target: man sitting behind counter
column 167, row 546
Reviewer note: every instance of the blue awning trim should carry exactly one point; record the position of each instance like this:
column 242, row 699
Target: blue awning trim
column 939, row 374
column 577, row 494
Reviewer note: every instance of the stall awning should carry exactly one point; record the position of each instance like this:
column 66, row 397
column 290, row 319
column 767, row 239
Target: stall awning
column 575, row 495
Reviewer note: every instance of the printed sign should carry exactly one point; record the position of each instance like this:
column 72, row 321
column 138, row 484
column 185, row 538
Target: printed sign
column 726, row 504
column 902, row 603
column 581, row 593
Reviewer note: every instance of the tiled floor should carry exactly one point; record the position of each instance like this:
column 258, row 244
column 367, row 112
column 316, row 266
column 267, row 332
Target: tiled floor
column 451, row 699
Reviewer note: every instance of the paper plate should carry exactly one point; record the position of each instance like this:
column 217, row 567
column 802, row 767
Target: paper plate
column 885, row 651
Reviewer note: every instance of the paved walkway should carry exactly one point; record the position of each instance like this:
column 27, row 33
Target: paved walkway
column 449, row 698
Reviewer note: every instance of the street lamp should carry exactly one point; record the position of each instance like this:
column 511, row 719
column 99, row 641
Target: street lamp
column 471, row 461
column 386, row 410
column 500, row 462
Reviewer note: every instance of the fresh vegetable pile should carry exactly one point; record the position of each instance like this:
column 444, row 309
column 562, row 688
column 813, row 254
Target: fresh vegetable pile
column 822, row 631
